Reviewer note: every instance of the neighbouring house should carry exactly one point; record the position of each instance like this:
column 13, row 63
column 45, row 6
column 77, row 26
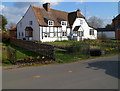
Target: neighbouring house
column 46, row 24
column 13, row 32
column 113, row 32
column 107, row 33
column 116, row 24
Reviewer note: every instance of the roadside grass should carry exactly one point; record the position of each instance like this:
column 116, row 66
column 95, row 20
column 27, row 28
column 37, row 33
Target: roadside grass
column 62, row 56
column 1, row 43
column 23, row 53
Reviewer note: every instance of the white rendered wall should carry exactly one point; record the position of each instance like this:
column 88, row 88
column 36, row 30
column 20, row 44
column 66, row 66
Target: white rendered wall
column 85, row 28
column 29, row 16
column 57, row 37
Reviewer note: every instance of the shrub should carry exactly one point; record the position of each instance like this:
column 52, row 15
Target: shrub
column 77, row 47
column 95, row 52
column 5, row 37
column 24, row 38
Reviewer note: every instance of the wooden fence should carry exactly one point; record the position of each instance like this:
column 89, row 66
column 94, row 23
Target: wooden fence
column 42, row 49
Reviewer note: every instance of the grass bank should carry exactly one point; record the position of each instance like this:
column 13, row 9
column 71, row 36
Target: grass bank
column 20, row 53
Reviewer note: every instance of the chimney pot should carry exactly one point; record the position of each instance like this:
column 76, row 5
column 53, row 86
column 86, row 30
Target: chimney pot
column 78, row 11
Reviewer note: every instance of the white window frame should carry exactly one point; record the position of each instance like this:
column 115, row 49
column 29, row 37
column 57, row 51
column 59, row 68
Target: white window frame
column 64, row 33
column 63, row 23
column 92, row 32
column 80, row 33
column 50, row 23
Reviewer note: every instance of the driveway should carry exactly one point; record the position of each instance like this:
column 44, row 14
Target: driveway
column 100, row 73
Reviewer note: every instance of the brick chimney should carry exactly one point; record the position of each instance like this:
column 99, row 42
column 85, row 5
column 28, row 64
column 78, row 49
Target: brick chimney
column 78, row 11
column 46, row 6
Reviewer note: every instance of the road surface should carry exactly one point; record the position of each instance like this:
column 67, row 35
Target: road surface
column 100, row 73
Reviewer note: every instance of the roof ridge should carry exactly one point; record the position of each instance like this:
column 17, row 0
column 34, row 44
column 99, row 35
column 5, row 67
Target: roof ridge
column 50, row 8
column 36, row 6
column 59, row 10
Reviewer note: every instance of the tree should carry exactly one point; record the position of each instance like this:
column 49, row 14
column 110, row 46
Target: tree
column 3, row 22
column 11, row 25
column 109, row 26
column 95, row 22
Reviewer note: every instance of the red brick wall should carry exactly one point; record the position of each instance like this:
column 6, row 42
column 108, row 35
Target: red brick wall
column 116, row 21
column 117, row 34
column 13, row 34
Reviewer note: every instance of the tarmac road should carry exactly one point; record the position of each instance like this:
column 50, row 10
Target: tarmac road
column 100, row 73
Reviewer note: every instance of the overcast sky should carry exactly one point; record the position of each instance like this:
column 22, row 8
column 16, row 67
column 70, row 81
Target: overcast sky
column 14, row 11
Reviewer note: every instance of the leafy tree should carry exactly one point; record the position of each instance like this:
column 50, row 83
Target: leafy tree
column 11, row 25
column 95, row 22
column 109, row 26
column 3, row 22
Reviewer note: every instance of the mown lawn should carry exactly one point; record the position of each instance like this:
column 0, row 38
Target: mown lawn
column 61, row 43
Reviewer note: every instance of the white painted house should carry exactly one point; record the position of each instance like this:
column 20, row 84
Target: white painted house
column 46, row 24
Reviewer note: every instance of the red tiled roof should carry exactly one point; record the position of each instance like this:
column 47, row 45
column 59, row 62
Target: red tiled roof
column 56, row 15
column 13, row 29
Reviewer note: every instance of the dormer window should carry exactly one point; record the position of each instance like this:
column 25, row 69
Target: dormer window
column 50, row 23
column 63, row 23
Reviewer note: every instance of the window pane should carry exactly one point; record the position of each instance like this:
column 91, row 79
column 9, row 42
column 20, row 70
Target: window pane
column 63, row 22
column 30, row 22
column 91, row 31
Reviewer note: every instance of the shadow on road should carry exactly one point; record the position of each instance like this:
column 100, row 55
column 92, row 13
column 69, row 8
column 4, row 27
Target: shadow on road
column 110, row 67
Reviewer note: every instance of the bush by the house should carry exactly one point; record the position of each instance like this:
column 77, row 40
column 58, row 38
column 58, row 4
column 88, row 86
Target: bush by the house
column 78, row 47
column 5, row 37
column 95, row 52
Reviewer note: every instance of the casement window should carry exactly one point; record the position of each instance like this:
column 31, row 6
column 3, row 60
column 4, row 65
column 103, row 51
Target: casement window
column 55, row 34
column 81, row 21
column 63, row 23
column 30, row 22
column 19, row 34
column 50, row 23
column 91, row 31
column 80, row 33
column 64, row 34
column 22, row 34
column 46, row 34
